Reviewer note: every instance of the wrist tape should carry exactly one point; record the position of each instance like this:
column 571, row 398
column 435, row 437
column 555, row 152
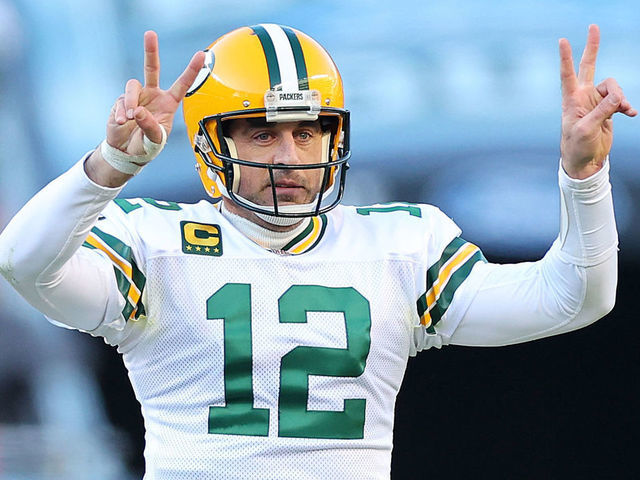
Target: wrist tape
column 132, row 164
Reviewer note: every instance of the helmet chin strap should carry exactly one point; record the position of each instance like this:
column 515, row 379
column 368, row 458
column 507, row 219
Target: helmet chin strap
column 279, row 221
column 272, row 219
column 302, row 208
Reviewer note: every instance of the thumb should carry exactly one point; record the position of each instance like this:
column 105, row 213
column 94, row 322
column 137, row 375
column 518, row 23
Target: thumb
column 607, row 107
column 148, row 124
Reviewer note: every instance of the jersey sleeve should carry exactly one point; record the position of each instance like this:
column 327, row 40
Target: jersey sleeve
column 443, row 280
column 572, row 286
column 113, row 239
column 450, row 260
column 42, row 257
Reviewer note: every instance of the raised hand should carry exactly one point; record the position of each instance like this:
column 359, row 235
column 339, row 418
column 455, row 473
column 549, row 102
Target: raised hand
column 140, row 111
column 587, row 127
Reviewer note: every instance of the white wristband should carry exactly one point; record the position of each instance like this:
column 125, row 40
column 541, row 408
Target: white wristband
column 132, row 164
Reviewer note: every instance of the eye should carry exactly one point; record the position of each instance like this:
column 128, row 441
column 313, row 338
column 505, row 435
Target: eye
column 262, row 136
column 305, row 135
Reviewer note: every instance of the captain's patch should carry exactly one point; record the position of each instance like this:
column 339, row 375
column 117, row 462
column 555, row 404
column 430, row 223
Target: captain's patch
column 201, row 238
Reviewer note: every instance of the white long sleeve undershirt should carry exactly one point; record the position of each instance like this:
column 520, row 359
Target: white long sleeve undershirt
column 40, row 252
column 572, row 286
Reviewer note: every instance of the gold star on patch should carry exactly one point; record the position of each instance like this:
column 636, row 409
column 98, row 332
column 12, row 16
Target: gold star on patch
column 198, row 249
column 217, row 250
column 188, row 247
column 207, row 249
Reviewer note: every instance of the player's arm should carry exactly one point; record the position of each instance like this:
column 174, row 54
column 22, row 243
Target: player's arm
column 571, row 287
column 575, row 283
column 40, row 251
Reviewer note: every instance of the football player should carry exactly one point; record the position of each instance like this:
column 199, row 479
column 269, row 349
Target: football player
column 266, row 331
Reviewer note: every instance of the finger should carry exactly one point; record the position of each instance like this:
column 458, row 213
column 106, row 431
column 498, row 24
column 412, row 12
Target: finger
column 588, row 62
column 626, row 109
column 151, row 60
column 131, row 96
column 568, row 77
column 179, row 88
column 603, row 111
column 118, row 111
column 148, row 124
column 610, row 85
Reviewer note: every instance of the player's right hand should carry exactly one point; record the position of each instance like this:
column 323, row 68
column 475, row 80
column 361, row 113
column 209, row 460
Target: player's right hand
column 140, row 112
column 143, row 108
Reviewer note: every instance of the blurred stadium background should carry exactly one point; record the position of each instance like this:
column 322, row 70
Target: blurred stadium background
column 453, row 103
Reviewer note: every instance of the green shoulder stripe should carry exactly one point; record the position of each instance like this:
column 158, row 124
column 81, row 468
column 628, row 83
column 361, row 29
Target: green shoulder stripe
column 126, row 253
column 129, row 278
column 443, row 279
column 443, row 302
column 434, row 271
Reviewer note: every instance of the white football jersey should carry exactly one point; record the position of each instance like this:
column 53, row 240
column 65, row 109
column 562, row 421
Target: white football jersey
column 257, row 364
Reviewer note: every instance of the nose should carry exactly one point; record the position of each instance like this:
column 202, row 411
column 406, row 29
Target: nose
column 287, row 151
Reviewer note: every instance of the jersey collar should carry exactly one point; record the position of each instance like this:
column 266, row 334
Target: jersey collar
column 301, row 240
column 309, row 237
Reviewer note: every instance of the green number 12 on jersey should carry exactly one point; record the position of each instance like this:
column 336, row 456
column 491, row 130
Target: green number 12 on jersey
column 232, row 304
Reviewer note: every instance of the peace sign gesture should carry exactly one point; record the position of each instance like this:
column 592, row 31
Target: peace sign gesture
column 587, row 128
column 140, row 112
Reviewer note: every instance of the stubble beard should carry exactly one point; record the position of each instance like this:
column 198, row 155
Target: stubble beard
column 264, row 196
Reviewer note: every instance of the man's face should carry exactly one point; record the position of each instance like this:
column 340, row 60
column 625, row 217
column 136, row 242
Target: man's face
column 291, row 143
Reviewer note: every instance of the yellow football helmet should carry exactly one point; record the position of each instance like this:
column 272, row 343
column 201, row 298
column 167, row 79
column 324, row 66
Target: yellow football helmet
column 274, row 72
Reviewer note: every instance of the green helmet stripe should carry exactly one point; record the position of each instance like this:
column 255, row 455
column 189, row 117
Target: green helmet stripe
column 301, row 66
column 270, row 55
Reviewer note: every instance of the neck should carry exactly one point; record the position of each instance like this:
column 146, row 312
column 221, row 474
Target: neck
column 265, row 234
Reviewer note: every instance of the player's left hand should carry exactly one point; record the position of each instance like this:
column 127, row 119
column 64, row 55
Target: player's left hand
column 587, row 127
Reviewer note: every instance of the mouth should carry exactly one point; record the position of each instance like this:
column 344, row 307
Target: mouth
column 285, row 183
column 284, row 186
column 289, row 191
